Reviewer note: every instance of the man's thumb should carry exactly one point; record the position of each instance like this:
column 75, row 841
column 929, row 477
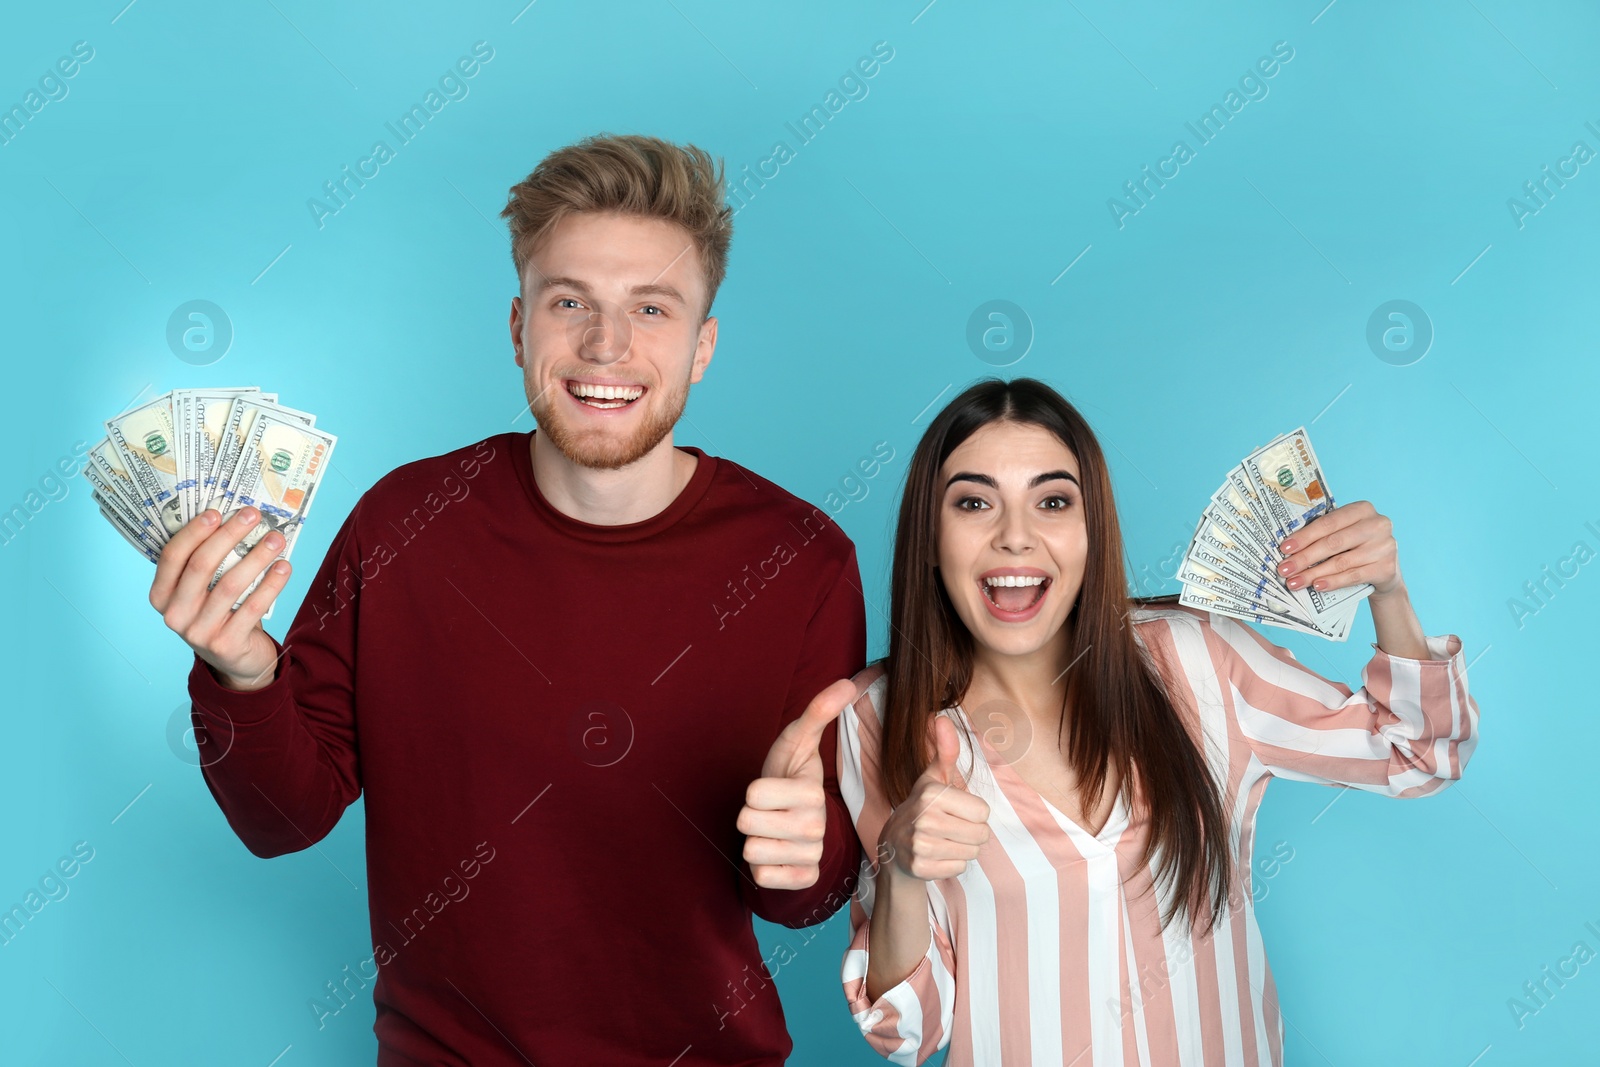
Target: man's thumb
column 947, row 748
column 797, row 745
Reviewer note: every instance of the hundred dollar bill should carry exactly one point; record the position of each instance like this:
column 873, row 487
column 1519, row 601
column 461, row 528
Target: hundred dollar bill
column 177, row 400
column 230, row 449
column 1230, row 510
column 1192, row 573
column 107, row 473
column 143, row 438
column 1289, row 483
column 1223, row 604
column 280, row 468
column 1244, row 500
column 1231, row 565
column 160, row 463
column 1336, row 628
column 202, row 419
column 1219, row 550
column 188, row 479
column 130, row 520
column 1254, row 511
column 1337, row 622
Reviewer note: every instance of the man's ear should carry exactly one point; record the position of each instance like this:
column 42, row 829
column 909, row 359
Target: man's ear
column 705, row 346
column 516, row 329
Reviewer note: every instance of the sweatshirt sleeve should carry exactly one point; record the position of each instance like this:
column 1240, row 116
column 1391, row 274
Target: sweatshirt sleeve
column 1407, row 732
column 282, row 761
column 910, row 1021
column 835, row 647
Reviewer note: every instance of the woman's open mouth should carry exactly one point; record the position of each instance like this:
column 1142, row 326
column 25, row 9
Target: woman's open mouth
column 1014, row 597
column 604, row 397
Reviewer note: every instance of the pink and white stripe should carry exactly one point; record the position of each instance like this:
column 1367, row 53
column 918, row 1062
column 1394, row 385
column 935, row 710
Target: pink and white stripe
column 1049, row 948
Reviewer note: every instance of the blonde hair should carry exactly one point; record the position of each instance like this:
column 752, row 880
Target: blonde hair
column 632, row 174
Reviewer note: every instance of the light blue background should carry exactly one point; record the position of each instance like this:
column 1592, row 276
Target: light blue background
column 1230, row 308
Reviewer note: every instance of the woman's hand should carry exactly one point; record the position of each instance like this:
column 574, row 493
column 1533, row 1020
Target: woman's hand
column 1346, row 546
column 933, row 834
column 940, row 826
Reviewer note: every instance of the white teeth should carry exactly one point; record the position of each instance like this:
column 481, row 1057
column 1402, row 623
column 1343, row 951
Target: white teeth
column 605, row 392
column 1015, row 579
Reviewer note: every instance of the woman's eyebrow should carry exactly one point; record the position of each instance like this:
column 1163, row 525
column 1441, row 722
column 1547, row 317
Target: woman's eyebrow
column 984, row 479
column 1050, row 476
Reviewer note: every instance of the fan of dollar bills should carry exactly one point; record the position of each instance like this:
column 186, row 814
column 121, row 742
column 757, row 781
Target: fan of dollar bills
column 164, row 462
column 1231, row 567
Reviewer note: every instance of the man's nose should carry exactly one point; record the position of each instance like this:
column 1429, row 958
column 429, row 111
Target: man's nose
column 603, row 336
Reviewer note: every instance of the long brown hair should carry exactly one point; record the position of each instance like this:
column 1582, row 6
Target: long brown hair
column 1121, row 711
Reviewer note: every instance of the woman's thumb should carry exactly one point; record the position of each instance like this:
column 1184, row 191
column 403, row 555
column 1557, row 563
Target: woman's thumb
column 947, row 747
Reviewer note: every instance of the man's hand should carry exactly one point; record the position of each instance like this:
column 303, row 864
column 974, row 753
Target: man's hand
column 232, row 642
column 785, row 812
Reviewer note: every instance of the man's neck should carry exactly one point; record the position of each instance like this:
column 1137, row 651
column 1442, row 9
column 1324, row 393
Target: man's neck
column 633, row 493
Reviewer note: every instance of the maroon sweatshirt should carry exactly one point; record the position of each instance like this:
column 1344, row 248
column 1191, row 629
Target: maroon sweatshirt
column 554, row 724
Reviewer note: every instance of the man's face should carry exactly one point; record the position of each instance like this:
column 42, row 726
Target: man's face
column 609, row 334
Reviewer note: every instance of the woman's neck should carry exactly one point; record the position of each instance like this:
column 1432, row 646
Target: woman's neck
column 1034, row 681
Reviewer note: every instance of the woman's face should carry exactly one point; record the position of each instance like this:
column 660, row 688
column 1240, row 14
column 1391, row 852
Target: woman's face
column 1012, row 512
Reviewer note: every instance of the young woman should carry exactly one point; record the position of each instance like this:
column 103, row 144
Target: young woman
column 1060, row 785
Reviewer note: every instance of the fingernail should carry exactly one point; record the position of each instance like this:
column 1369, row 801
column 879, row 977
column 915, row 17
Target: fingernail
column 209, row 517
column 1285, row 567
column 1295, row 583
column 273, row 540
column 1286, row 547
column 250, row 515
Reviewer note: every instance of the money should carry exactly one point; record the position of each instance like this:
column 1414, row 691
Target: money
column 1231, row 566
column 167, row 460
column 107, row 473
column 144, row 439
column 201, row 415
column 235, row 431
column 280, row 468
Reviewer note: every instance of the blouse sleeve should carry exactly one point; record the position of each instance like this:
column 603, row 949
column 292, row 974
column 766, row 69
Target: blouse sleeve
column 910, row 1021
column 1407, row 732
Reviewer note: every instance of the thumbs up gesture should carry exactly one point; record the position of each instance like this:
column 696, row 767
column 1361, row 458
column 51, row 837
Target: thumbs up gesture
column 940, row 826
column 785, row 811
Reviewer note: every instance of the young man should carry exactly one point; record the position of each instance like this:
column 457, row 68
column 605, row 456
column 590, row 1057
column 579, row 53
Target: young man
column 572, row 671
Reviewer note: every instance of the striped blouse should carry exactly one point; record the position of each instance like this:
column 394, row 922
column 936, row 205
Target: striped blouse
column 1049, row 948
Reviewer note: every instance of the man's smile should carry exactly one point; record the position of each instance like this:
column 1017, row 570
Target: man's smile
column 604, row 396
